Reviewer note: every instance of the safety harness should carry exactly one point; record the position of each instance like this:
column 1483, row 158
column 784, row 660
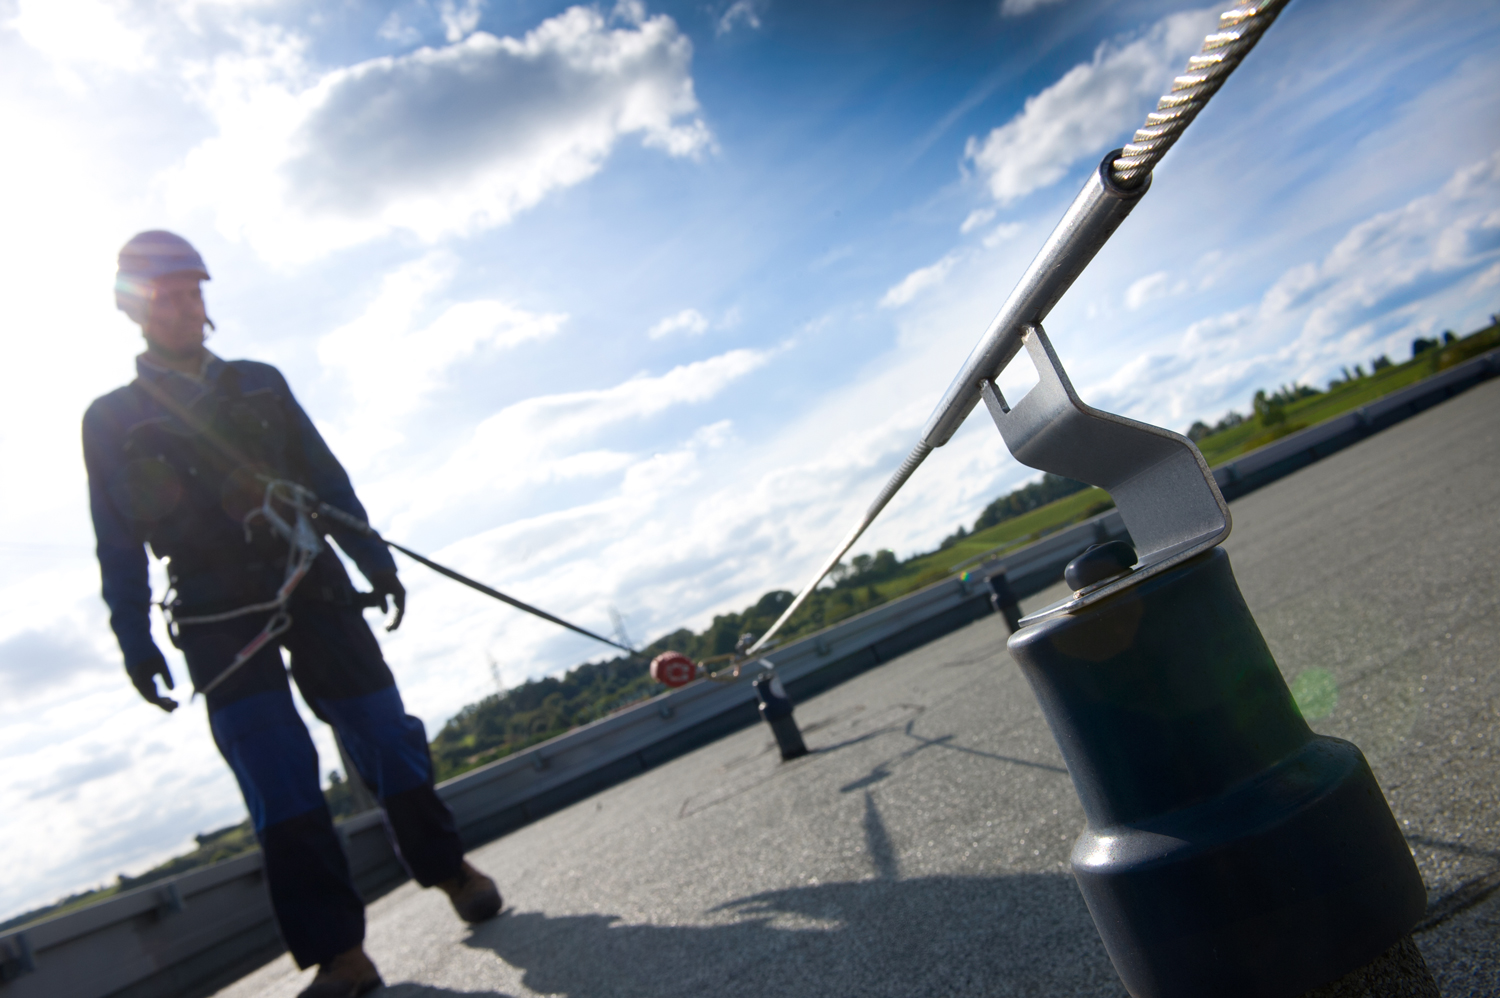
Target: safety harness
column 304, row 543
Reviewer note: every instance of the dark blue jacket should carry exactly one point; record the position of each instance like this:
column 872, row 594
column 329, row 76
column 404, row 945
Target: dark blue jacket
column 152, row 480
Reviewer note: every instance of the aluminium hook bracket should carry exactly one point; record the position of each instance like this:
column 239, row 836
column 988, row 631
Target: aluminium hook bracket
column 1159, row 481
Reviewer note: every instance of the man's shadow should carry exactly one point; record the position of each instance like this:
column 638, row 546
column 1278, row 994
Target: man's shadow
column 1026, row 934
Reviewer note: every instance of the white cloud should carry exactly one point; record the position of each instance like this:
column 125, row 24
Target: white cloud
column 1017, row 8
column 740, row 12
column 1392, row 277
column 395, row 29
column 37, row 659
column 1152, row 288
column 918, row 281
column 459, row 19
column 391, row 359
column 1003, row 233
column 539, row 439
column 976, row 218
column 80, row 31
column 1395, row 260
column 1489, row 279
column 437, row 142
column 689, row 320
column 1090, row 108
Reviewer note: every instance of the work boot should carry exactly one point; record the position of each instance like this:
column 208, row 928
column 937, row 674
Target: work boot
column 348, row 975
column 474, row 895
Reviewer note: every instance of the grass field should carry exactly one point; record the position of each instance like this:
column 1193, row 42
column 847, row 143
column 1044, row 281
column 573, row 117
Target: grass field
column 1307, row 412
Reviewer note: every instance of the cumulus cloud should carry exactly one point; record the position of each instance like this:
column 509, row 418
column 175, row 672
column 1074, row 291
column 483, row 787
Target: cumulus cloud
column 35, row 660
column 1153, row 288
column 918, row 281
column 65, row 780
column 1392, row 277
column 546, row 437
column 1387, row 266
column 976, row 218
column 1084, row 113
column 438, row 141
column 556, row 446
column 397, row 353
column 459, row 19
column 740, row 12
column 79, row 32
column 395, row 29
column 1003, row 233
column 689, row 320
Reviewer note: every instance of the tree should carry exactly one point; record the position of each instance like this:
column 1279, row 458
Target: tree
column 1027, row 498
column 1271, row 413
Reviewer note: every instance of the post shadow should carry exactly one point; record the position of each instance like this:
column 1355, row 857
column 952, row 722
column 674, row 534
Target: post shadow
column 1023, row 934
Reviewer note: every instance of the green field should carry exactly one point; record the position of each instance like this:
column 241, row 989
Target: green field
column 929, row 568
column 1307, row 412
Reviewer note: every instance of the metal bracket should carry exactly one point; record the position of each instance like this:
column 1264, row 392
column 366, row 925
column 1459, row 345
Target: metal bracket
column 1158, row 479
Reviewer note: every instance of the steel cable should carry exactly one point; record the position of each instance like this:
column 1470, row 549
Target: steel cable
column 1239, row 29
column 1222, row 52
column 913, row 461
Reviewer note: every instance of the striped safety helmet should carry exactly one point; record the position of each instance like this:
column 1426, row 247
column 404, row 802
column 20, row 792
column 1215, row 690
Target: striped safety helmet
column 146, row 257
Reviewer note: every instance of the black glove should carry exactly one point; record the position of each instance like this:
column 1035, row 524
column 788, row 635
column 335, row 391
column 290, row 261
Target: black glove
column 143, row 674
column 387, row 585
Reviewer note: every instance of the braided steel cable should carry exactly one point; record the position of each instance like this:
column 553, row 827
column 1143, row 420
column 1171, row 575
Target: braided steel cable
column 1077, row 239
column 913, row 461
column 1222, row 52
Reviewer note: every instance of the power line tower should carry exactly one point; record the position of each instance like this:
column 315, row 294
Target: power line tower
column 621, row 635
column 495, row 675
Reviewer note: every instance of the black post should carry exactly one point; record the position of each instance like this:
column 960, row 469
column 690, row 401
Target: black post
column 776, row 708
column 1230, row 851
column 1003, row 599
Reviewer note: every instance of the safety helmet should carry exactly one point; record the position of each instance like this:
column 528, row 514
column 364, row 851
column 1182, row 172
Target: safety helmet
column 147, row 256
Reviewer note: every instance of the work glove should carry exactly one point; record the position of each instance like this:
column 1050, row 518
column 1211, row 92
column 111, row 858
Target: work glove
column 387, row 585
column 143, row 674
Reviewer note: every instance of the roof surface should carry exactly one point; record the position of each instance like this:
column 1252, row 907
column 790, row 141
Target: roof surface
column 921, row 848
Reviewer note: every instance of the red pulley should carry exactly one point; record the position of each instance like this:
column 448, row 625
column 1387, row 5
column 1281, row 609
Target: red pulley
column 673, row 668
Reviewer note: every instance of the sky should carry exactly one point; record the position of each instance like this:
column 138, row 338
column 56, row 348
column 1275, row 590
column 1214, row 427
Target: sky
column 636, row 306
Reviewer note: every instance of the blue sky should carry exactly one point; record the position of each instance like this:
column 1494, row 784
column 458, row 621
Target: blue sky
column 637, row 305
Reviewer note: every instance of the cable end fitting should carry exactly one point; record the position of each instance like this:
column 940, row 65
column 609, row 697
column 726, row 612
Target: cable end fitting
column 1122, row 181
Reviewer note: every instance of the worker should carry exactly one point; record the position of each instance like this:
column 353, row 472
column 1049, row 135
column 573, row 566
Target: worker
column 176, row 459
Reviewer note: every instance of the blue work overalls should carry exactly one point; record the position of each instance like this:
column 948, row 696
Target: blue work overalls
column 155, row 480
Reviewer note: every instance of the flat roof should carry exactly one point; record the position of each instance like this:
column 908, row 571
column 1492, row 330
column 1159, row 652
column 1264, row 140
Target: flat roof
column 922, row 847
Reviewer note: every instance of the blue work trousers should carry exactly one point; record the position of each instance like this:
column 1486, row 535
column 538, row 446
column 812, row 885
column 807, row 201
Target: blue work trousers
column 343, row 677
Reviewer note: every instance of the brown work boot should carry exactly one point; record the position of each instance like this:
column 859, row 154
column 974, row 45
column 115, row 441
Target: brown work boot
column 474, row 895
column 348, row 975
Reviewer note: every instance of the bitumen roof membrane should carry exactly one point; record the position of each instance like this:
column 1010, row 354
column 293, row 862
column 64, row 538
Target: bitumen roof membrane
column 921, row 848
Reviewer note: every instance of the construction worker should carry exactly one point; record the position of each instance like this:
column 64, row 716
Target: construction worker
column 176, row 459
